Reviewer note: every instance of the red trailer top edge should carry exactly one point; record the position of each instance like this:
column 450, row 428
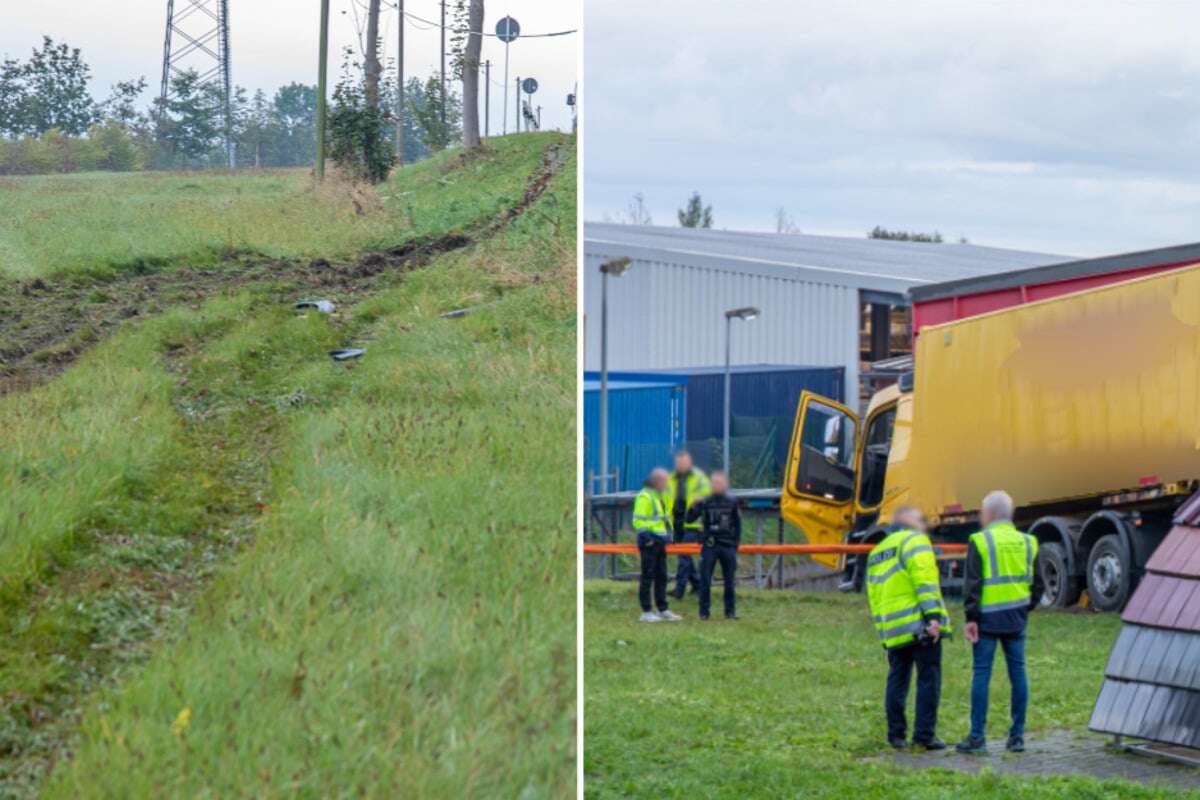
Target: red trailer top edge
column 949, row 309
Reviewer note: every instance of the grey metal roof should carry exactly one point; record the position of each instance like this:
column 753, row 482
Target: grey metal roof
column 856, row 260
column 1180, row 254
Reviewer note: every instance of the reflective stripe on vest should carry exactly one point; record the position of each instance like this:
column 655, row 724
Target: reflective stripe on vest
column 1007, row 575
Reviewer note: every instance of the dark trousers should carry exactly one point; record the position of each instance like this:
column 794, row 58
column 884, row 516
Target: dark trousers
column 928, row 660
column 709, row 556
column 654, row 571
column 685, row 572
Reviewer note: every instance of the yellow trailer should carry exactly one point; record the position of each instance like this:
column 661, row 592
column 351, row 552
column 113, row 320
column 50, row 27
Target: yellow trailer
column 1084, row 407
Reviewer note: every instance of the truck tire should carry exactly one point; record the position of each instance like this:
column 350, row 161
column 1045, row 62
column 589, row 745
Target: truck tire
column 1060, row 588
column 1109, row 574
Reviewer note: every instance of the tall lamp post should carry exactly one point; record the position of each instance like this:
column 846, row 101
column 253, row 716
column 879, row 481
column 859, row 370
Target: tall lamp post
column 616, row 268
column 748, row 313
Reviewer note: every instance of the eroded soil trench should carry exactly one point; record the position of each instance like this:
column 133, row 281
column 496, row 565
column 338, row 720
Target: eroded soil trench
column 47, row 323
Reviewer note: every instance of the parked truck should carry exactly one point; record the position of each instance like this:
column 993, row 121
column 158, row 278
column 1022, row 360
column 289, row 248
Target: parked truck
column 1085, row 407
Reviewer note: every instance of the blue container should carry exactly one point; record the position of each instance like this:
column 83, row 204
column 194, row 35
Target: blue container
column 645, row 427
column 759, row 394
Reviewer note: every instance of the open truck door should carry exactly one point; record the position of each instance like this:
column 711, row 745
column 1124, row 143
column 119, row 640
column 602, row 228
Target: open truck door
column 818, row 494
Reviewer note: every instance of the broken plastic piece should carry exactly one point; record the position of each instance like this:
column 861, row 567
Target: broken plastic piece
column 324, row 306
column 461, row 312
column 347, row 354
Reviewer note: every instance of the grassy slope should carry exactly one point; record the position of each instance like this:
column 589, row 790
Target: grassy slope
column 787, row 702
column 101, row 223
column 405, row 615
column 104, row 430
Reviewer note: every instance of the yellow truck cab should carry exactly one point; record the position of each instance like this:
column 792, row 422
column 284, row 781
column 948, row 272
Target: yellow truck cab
column 1095, row 436
column 845, row 473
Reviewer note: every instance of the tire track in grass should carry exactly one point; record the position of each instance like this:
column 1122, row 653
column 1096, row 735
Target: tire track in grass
column 47, row 324
column 99, row 615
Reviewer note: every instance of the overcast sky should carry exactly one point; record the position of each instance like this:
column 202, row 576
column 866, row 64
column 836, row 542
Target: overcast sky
column 274, row 42
column 1065, row 127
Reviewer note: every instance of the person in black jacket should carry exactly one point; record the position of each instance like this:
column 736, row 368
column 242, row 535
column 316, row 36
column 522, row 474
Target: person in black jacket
column 720, row 534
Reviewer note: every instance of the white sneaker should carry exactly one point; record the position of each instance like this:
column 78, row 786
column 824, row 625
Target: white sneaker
column 649, row 616
column 669, row 616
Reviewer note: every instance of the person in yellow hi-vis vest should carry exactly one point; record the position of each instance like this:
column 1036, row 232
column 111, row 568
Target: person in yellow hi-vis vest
column 652, row 523
column 905, row 594
column 685, row 486
column 1001, row 584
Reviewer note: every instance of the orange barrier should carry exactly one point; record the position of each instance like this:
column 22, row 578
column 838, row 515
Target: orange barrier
column 761, row 549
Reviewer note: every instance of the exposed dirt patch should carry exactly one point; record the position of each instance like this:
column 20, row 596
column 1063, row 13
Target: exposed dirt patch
column 45, row 324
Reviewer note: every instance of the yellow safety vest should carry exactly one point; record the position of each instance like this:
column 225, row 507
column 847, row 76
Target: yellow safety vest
column 1007, row 557
column 696, row 487
column 903, row 585
column 649, row 514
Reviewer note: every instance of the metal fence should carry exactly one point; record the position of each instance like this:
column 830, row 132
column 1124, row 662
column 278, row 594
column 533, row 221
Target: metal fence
column 607, row 521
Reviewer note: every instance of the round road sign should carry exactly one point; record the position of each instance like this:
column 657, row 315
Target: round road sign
column 529, row 85
column 507, row 29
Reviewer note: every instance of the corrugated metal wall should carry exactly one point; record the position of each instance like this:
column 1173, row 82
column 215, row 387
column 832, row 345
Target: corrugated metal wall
column 667, row 315
column 645, row 426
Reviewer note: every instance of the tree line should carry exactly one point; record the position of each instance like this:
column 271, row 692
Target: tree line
column 50, row 122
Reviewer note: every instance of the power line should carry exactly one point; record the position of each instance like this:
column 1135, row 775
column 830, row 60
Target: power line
column 433, row 24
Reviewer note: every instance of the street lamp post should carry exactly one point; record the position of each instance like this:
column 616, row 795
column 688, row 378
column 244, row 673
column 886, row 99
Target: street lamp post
column 616, row 267
column 748, row 313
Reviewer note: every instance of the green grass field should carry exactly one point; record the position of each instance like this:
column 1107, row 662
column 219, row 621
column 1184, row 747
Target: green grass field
column 788, row 702
column 101, row 224
column 232, row 567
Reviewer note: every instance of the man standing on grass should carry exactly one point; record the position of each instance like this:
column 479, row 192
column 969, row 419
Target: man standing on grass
column 720, row 533
column 651, row 523
column 685, row 486
column 904, row 591
column 1001, row 584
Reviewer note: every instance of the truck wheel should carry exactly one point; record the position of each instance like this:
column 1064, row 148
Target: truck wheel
column 1109, row 575
column 857, row 567
column 1060, row 588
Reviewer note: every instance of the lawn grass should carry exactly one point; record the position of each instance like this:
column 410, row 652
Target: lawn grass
column 100, row 224
column 390, row 541
column 788, row 702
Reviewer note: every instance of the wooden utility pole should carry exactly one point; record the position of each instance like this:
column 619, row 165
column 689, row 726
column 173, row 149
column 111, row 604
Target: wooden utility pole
column 443, row 63
column 400, row 86
column 373, row 68
column 323, row 61
column 470, row 74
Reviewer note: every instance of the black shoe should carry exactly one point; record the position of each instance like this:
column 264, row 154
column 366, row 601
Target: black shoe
column 898, row 742
column 677, row 594
column 1016, row 744
column 931, row 744
column 704, row 616
column 731, row 616
column 970, row 745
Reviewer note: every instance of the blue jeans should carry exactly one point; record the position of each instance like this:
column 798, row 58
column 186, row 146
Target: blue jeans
column 984, row 653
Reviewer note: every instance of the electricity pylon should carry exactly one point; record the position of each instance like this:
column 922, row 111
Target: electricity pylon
column 203, row 28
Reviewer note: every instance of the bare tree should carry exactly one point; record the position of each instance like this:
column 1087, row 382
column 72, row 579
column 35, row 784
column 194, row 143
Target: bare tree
column 784, row 222
column 636, row 212
column 470, row 74
column 373, row 68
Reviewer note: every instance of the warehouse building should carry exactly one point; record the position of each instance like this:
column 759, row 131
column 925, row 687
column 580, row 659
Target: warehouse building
column 824, row 300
